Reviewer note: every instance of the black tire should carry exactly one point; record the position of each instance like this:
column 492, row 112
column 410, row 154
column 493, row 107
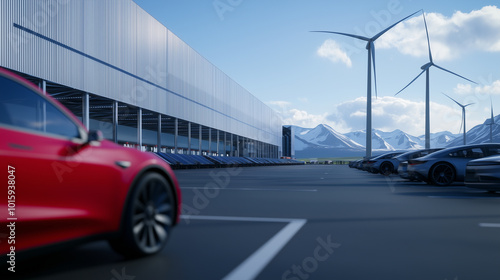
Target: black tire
column 148, row 218
column 442, row 174
column 386, row 168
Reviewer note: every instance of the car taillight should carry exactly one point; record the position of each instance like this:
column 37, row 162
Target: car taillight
column 370, row 162
column 416, row 162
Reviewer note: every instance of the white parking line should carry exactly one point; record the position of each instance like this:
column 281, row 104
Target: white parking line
column 463, row 197
column 254, row 189
column 238, row 219
column 489, row 225
column 253, row 265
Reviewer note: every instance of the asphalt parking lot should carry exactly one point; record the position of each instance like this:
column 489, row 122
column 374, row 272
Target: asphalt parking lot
column 307, row 222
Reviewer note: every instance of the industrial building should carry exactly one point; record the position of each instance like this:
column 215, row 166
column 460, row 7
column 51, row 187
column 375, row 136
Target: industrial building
column 124, row 73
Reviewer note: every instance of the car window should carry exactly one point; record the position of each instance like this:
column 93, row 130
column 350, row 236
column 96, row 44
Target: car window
column 493, row 151
column 468, row 153
column 417, row 155
column 475, row 153
column 424, row 153
column 23, row 108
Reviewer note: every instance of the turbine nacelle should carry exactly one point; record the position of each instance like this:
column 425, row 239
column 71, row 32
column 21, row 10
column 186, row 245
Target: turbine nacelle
column 427, row 66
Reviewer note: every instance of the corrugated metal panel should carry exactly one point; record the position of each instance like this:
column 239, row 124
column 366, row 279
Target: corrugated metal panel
column 117, row 50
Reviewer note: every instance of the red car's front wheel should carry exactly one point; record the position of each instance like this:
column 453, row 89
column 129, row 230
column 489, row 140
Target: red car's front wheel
column 149, row 217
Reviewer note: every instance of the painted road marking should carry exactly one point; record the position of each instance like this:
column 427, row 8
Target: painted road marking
column 254, row 189
column 489, row 225
column 465, row 197
column 255, row 263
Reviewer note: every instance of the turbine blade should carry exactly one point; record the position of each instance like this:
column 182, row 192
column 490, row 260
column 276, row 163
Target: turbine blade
column 461, row 123
column 372, row 47
column 385, row 30
column 345, row 34
column 492, row 117
column 453, row 99
column 411, row 82
column 469, row 104
column 428, row 40
column 454, row 74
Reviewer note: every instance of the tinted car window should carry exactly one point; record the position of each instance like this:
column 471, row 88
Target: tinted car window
column 475, row 153
column 468, row 153
column 23, row 108
column 493, row 151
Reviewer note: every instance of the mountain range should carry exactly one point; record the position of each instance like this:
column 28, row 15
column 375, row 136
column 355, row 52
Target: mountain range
column 324, row 141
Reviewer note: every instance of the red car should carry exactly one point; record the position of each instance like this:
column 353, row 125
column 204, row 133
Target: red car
column 61, row 183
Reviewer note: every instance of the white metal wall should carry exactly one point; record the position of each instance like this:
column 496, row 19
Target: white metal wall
column 113, row 48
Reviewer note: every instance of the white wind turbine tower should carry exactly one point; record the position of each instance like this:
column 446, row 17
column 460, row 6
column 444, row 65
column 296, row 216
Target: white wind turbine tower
column 425, row 68
column 463, row 115
column 370, row 46
column 492, row 121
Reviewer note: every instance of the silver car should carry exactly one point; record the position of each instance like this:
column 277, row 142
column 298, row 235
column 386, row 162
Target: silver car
column 446, row 166
column 484, row 174
column 403, row 161
column 383, row 164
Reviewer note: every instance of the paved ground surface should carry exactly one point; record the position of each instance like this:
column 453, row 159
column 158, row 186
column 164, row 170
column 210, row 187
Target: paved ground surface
column 308, row 222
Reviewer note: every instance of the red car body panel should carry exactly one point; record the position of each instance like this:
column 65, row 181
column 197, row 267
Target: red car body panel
column 66, row 190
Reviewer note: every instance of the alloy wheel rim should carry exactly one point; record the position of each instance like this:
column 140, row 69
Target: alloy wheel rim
column 151, row 216
column 444, row 174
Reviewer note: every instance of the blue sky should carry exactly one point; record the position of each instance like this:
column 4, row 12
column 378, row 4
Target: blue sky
column 312, row 78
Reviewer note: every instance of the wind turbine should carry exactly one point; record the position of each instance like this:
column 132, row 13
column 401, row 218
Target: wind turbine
column 463, row 114
column 492, row 121
column 425, row 68
column 370, row 46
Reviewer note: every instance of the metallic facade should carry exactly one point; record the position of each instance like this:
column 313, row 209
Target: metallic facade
column 114, row 49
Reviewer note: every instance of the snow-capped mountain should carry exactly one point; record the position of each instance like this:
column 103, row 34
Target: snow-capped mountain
column 440, row 139
column 480, row 134
column 378, row 142
column 300, row 130
column 401, row 140
column 324, row 141
column 325, row 136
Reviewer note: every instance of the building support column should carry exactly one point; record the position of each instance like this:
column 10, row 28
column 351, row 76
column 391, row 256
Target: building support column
column 139, row 127
column 176, row 134
column 189, row 138
column 115, row 121
column 200, row 140
column 238, row 146
column 218, row 133
column 158, row 135
column 86, row 110
column 210, row 141
column 232, row 145
column 225, row 144
column 43, row 86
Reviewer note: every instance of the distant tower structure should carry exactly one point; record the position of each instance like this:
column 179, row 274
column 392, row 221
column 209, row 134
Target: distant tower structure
column 288, row 142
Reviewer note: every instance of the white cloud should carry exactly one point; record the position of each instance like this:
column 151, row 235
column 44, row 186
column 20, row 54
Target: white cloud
column 449, row 36
column 332, row 51
column 480, row 91
column 279, row 104
column 302, row 118
column 391, row 113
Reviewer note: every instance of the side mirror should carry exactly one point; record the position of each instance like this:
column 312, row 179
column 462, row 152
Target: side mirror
column 94, row 136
